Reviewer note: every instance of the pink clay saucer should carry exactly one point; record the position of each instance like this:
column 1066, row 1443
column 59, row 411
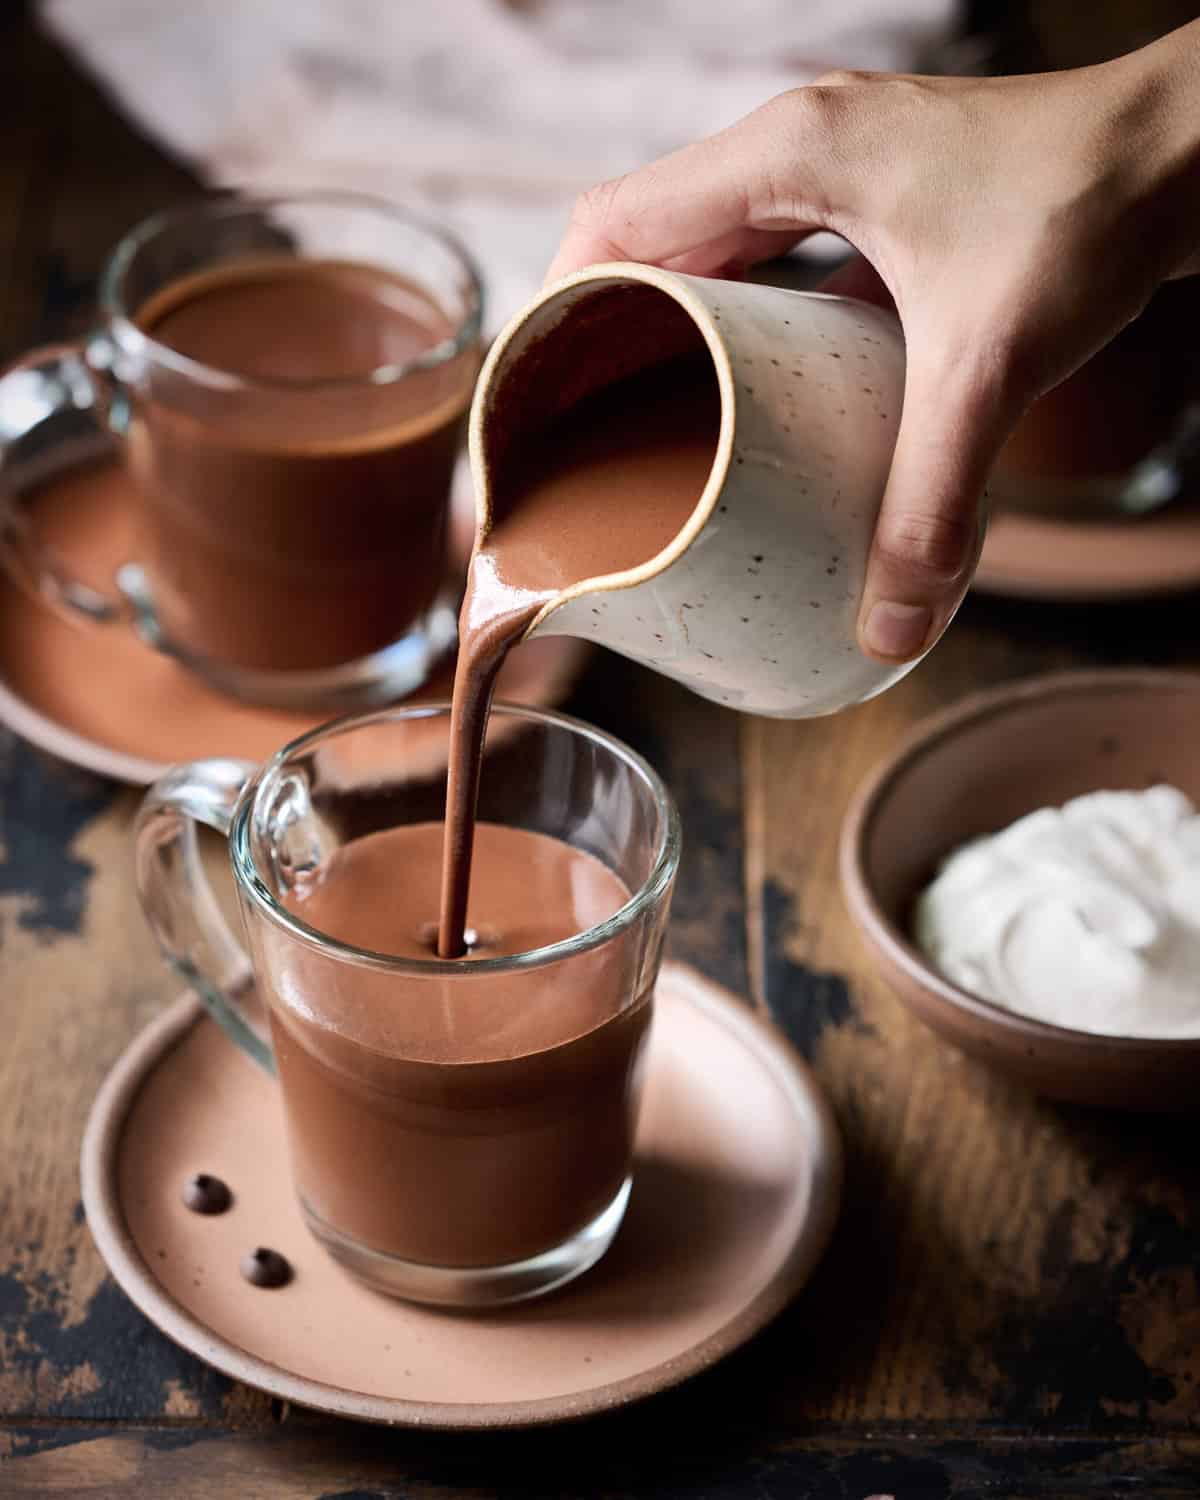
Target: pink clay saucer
column 736, row 1189
column 99, row 697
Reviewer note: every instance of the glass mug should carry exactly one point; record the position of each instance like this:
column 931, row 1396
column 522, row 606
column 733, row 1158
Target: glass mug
column 1121, row 436
column 460, row 1132
column 287, row 379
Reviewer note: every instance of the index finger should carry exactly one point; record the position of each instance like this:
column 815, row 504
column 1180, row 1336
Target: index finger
column 741, row 195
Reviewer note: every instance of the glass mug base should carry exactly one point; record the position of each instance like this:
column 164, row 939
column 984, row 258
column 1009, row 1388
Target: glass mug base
column 386, row 676
column 466, row 1287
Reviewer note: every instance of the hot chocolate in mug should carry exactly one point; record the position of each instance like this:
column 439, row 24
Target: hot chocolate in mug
column 287, row 380
column 754, row 601
column 460, row 1132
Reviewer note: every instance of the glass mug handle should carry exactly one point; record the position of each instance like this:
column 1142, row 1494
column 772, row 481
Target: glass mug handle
column 177, row 899
column 52, row 379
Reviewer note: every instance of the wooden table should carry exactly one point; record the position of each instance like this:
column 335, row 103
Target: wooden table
column 1011, row 1305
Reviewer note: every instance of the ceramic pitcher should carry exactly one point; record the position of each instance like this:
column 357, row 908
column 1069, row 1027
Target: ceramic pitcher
column 754, row 602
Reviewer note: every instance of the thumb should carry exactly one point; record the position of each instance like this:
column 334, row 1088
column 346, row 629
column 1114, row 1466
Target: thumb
column 928, row 533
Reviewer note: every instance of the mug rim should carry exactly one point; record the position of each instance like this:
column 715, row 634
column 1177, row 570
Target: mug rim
column 119, row 317
column 657, row 883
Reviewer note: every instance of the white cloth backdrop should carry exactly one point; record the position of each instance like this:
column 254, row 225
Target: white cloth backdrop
column 488, row 115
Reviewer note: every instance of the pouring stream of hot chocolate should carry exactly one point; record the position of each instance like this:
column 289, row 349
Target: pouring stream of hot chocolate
column 603, row 488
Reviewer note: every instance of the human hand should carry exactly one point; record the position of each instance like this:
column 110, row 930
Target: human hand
column 1017, row 224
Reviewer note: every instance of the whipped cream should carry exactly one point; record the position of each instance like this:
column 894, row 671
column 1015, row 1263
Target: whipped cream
column 1085, row 916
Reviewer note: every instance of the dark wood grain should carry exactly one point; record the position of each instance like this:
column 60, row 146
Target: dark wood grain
column 350, row 1464
column 695, row 746
column 1011, row 1305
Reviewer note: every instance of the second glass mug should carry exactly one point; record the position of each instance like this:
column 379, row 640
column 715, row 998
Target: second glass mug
column 292, row 529
column 438, row 1152
column 1121, row 435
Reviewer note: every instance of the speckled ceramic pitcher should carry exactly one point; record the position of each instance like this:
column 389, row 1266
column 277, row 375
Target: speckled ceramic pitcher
column 754, row 602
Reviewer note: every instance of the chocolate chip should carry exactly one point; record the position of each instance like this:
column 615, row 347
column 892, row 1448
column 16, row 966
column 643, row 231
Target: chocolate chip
column 265, row 1268
column 205, row 1194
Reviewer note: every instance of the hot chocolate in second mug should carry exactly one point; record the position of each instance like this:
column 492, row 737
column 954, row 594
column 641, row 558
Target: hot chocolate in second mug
column 460, row 1132
column 287, row 380
column 754, row 602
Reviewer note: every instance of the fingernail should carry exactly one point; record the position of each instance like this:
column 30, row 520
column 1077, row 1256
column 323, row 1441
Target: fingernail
column 896, row 631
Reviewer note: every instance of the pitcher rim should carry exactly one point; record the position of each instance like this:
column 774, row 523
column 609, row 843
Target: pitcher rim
column 676, row 286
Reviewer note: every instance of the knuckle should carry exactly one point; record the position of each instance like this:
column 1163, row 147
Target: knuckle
column 927, row 547
column 814, row 123
column 816, row 106
column 838, row 78
column 802, row 128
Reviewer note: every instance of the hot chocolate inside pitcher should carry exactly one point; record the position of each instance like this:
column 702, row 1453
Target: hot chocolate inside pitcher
column 737, row 440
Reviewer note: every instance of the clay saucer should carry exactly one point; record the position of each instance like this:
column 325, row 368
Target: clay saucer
column 98, row 697
column 976, row 768
column 1029, row 556
column 736, row 1189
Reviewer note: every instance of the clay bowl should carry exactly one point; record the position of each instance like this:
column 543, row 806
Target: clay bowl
column 973, row 770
